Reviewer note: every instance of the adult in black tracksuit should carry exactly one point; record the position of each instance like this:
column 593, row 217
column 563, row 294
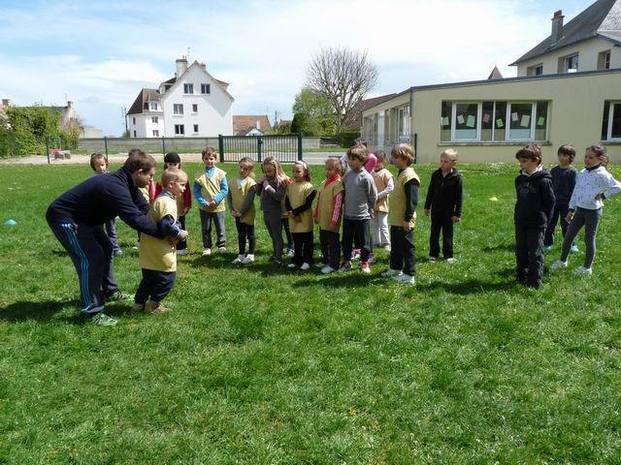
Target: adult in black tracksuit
column 77, row 218
column 444, row 201
column 533, row 209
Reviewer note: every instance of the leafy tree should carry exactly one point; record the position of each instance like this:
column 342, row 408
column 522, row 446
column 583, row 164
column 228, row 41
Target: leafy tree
column 320, row 119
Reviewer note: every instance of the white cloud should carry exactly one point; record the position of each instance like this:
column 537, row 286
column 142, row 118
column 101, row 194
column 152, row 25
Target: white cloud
column 260, row 48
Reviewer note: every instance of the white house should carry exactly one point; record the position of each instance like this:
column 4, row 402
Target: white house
column 191, row 104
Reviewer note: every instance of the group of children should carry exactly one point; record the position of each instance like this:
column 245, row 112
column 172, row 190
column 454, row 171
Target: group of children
column 360, row 198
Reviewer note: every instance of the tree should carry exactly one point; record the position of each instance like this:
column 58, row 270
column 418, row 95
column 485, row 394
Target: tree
column 318, row 110
column 343, row 77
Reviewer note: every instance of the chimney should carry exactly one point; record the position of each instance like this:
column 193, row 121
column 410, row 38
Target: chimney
column 204, row 66
column 69, row 103
column 557, row 26
column 258, row 124
column 6, row 102
column 182, row 65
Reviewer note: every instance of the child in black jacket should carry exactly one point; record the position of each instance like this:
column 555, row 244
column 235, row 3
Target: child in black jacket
column 444, row 204
column 533, row 209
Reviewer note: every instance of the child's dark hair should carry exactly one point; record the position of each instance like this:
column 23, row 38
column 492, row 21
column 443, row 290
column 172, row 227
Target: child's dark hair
column 600, row 152
column 381, row 156
column 304, row 165
column 530, row 152
column 97, row 156
column 209, row 151
column 405, row 151
column 172, row 157
column 567, row 150
column 358, row 152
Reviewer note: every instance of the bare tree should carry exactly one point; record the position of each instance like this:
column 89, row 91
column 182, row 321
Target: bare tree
column 344, row 76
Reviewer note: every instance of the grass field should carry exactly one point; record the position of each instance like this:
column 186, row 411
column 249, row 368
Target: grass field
column 300, row 368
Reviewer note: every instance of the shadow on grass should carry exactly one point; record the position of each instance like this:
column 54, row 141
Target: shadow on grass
column 348, row 280
column 469, row 287
column 497, row 247
column 46, row 310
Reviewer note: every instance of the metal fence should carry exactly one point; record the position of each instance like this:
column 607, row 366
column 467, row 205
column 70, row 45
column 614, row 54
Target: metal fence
column 285, row 148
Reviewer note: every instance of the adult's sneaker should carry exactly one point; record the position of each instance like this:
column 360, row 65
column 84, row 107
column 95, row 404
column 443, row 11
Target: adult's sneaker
column 558, row 264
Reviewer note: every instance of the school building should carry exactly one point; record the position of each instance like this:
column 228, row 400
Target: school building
column 568, row 90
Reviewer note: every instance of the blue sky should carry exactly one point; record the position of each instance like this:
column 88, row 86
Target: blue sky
column 101, row 53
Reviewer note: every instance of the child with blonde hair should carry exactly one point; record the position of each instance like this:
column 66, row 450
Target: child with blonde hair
column 99, row 164
column 593, row 185
column 402, row 216
column 385, row 184
column 444, row 204
column 241, row 204
column 210, row 190
column 328, row 215
column 158, row 257
column 271, row 188
column 299, row 202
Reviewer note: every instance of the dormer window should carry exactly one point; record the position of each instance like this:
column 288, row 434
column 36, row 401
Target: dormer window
column 188, row 88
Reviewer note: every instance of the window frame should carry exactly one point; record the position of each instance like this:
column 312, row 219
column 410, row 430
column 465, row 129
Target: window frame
column 156, row 133
column 179, row 130
column 614, row 104
column 454, row 120
column 207, row 87
column 195, row 128
column 155, row 120
column 188, row 86
column 195, row 105
column 177, row 106
column 533, row 121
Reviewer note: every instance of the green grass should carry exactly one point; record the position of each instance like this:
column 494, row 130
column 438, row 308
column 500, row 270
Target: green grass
column 292, row 368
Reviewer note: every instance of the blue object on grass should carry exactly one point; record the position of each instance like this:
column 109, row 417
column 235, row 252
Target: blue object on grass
column 10, row 222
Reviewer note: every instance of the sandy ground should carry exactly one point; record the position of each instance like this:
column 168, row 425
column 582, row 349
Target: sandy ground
column 312, row 158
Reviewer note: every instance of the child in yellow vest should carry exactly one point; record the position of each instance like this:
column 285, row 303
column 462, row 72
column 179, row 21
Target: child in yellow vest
column 299, row 202
column 402, row 216
column 285, row 225
column 210, row 190
column 158, row 257
column 241, row 204
column 385, row 184
column 328, row 216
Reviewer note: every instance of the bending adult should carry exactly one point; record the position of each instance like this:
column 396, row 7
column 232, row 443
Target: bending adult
column 77, row 220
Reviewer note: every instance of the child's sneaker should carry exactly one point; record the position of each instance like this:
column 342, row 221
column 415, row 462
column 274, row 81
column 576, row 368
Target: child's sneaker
column 389, row 273
column 290, row 252
column 249, row 258
column 584, row 271
column 320, row 265
column 558, row 264
column 117, row 252
column 138, row 307
column 547, row 248
column 206, row 252
column 432, row 259
column 451, row 260
column 355, row 254
column 238, row 261
column 574, row 249
column 222, row 249
column 305, row 266
column 405, row 279
column 182, row 252
column 365, row 268
column 292, row 266
column 346, row 266
column 327, row 269
column 155, row 308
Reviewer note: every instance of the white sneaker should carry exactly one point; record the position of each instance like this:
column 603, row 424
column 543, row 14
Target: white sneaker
column 319, row 265
column 558, row 264
column 432, row 259
column 292, row 266
column 451, row 260
column 574, row 249
column 389, row 273
column 182, row 252
column 305, row 266
column 290, row 253
column 248, row 259
column 239, row 260
column 206, row 252
column 327, row 269
column 405, row 279
column 387, row 248
column 222, row 249
column 584, row 271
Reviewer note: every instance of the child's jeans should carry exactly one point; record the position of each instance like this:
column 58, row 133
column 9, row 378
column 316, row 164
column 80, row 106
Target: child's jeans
column 155, row 286
column 207, row 219
column 402, row 250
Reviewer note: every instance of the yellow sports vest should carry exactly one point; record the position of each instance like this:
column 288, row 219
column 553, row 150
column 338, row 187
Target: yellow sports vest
column 325, row 202
column 297, row 193
column 145, row 193
column 381, row 179
column 211, row 187
column 238, row 195
column 157, row 254
column 397, row 204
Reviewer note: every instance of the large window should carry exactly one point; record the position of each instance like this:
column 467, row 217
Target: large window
column 178, row 109
column 493, row 121
column 179, row 130
column 568, row 64
column 188, row 88
column 611, row 127
column 205, row 88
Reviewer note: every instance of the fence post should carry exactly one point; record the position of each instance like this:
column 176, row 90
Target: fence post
column 47, row 148
column 221, row 147
column 259, row 144
column 106, row 146
column 163, row 146
column 415, row 146
column 300, row 151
